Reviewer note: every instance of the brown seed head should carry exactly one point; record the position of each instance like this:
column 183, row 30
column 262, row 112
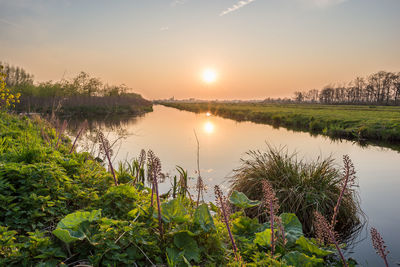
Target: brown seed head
column 378, row 243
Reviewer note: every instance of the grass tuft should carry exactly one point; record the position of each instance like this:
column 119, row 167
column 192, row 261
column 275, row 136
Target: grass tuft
column 300, row 187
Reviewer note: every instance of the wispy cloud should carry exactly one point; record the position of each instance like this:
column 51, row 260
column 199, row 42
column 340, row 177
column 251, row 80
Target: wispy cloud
column 324, row 3
column 236, row 6
column 164, row 28
column 178, row 2
column 4, row 21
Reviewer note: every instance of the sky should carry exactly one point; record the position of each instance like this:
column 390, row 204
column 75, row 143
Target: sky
column 160, row 48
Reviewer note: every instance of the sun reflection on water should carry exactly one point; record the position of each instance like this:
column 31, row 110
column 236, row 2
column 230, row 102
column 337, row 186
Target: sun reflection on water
column 209, row 127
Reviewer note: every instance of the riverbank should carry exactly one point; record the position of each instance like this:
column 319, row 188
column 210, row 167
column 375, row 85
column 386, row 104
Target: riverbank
column 362, row 123
column 60, row 207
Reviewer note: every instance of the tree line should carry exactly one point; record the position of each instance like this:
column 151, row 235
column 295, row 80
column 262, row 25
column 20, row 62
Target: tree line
column 81, row 93
column 381, row 88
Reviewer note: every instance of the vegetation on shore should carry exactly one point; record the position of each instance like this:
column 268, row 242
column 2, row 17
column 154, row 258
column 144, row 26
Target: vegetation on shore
column 301, row 187
column 362, row 123
column 81, row 95
column 62, row 208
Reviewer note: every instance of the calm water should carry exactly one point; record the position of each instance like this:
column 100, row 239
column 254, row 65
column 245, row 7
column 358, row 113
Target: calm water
column 170, row 134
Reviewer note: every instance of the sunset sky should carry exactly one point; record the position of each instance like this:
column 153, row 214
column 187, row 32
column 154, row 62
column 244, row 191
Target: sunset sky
column 161, row 48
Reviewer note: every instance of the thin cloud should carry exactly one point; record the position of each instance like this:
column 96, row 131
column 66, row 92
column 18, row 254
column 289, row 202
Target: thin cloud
column 178, row 2
column 236, row 6
column 10, row 23
column 324, row 3
column 164, row 28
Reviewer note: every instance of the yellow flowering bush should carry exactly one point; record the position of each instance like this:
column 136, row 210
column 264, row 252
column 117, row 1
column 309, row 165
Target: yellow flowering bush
column 7, row 99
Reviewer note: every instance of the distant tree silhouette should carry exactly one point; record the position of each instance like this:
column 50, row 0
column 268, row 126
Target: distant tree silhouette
column 381, row 88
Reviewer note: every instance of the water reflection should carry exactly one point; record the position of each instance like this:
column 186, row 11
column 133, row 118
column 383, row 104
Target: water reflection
column 209, row 127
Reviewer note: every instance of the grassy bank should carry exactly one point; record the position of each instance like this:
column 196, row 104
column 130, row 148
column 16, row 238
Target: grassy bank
column 64, row 209
column 364, row 123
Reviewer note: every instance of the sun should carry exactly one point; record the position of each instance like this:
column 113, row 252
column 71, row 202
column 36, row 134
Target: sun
column 209, row 75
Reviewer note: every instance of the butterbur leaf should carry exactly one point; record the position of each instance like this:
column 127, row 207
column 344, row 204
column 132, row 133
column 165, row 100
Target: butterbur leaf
column 263, row 238
column 296, row 258
column 74, row 225
column 245, row 226
column 173, row 211
column 174, row 256
column 292, row 226
column 202, row 218
column 240, row 200
column 308, row 246
column 184, row 241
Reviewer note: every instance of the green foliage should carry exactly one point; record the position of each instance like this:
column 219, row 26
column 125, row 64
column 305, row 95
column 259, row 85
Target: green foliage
column 174, row 211
column 292, row 226
column 240, row 200
column 311, row 247
column 74, row 226
column 296, row 258
column 203, row 218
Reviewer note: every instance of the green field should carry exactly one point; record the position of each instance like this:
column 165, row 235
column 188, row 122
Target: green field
column 364, row 123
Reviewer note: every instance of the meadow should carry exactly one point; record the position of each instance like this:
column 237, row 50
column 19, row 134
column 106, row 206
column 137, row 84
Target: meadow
column 354, row 122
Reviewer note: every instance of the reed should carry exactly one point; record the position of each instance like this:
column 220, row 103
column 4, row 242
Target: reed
column 106, row 148
column 82, row 129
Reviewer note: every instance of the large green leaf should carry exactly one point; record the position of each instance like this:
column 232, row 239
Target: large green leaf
column 174, row 211
column 73, row 226
column 245, row 226
column 263, row 238
column 240, row 200
column 184, row 241
column 296, row 258
column 308, row 246
column 292, row 226
column 202, row 218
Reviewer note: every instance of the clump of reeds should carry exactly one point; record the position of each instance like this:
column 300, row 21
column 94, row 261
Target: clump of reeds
column 326, row 234
column 379, row 245
column 106, row 148
column 154, row 174
column 225, row 211
column 271, row 201
column 300, row 187
column 81, row 130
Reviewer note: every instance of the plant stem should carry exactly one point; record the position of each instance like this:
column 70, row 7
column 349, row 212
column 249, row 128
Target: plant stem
column 271, row 208
column 109, row 160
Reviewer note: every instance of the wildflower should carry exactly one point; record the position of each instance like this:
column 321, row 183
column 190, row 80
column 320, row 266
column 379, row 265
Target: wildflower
column 347, row 182
column 272, row 207
column 379, row 245
column 224, row 207
column 326, row 234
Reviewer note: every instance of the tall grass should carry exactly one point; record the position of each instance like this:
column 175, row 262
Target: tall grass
column 300, row 187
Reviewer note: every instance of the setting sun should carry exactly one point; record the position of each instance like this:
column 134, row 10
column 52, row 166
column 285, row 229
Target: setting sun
column 209, row 75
